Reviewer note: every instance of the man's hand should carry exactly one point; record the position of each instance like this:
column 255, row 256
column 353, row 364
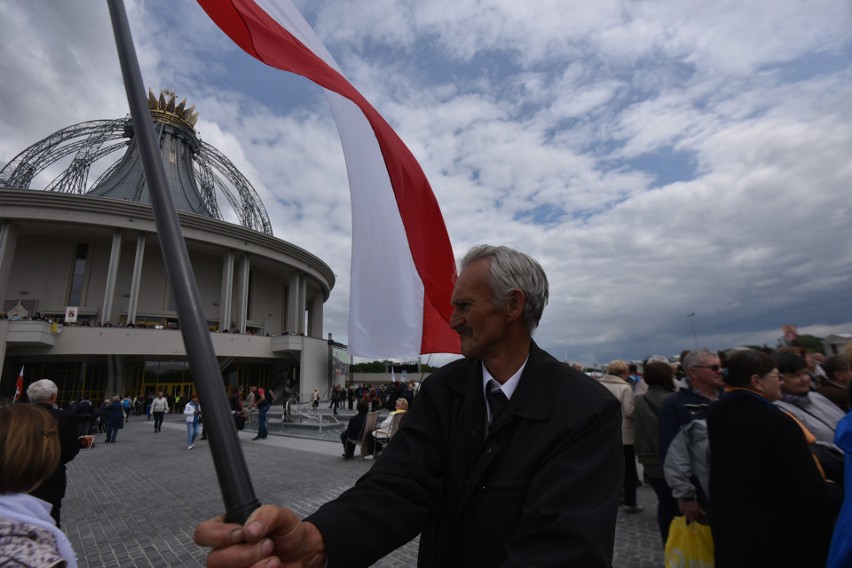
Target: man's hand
column 691, row 510
column 271, row 537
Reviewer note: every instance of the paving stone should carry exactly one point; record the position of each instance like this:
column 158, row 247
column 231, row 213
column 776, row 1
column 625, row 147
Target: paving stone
column 136, row 503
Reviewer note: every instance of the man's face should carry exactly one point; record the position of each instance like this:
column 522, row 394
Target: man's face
column 843, row 377
column 771, row 383
column 708, row 372
column 797, row 383
column 479, row 325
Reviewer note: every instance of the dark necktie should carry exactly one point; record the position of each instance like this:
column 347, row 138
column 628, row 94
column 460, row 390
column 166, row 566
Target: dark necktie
column 496, row 400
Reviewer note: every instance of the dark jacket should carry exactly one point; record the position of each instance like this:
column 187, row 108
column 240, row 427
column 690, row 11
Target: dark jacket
column 84, row 410
column 646, row 418
column 771, row 506
column 540, row 489
column 52, row 489
column 115, row 421
column 356, row 424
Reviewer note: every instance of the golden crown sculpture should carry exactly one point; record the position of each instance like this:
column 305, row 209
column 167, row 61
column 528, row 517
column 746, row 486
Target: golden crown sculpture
column 165, row 105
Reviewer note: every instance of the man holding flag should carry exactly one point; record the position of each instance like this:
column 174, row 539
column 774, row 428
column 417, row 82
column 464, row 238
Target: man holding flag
column 486, row 467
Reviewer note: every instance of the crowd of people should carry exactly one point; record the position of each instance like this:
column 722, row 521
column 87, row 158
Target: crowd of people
column 743, row 441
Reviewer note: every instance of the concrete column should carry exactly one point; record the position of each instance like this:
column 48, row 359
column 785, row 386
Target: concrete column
column 137, row 278
column 303, row 290
column 243, row 282
column 112, row 276
column 227, row 291
column 8, row 242
column 4, row 332
column 293, row 303
column 315, row 315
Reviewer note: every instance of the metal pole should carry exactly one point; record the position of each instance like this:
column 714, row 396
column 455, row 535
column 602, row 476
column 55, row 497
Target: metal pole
column 231, row 469
column 692, row 324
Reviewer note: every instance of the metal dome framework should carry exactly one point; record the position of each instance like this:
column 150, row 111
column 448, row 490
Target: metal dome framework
column 200, row 173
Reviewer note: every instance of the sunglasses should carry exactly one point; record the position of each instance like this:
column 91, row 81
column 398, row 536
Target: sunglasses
column 714, row 368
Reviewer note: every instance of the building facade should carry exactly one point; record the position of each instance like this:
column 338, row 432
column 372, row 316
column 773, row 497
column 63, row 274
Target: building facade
column 85, row 296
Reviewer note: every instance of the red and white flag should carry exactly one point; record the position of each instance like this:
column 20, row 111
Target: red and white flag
column 19, row 386
column 397, row 227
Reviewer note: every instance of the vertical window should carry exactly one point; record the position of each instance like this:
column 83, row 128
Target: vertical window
column 75, row 291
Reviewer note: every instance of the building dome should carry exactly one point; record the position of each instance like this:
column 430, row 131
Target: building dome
column 198, row 174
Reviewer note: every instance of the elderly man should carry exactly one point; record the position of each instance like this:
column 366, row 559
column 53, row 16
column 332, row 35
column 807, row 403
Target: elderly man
column 52, row 490
column 513, row 476
column 683, row 433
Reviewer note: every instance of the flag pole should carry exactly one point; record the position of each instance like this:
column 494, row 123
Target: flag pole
column 231, row 468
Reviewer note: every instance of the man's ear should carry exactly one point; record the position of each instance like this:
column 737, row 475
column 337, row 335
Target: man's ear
column 755, row 383
column 515, row 304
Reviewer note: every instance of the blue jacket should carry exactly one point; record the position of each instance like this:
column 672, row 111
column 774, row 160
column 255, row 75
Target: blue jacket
column 840, row 554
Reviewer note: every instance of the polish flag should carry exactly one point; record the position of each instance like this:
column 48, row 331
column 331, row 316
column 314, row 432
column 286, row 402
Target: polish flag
column 403, row 269
column 19, row 386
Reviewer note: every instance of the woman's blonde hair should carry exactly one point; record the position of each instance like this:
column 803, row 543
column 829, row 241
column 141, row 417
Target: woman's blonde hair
column 29, row 447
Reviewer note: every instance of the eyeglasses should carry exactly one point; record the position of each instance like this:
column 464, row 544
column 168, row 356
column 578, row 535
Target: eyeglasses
column 715, row 368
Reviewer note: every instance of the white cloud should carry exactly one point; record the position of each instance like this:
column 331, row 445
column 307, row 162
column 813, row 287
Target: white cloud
column 659, row 158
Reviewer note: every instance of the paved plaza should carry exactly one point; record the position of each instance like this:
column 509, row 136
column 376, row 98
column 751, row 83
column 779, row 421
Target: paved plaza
column 136, row 503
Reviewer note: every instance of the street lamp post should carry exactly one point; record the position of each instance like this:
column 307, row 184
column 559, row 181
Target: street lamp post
column 691, row 317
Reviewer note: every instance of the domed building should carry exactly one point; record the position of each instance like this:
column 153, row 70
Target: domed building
column 85, row 297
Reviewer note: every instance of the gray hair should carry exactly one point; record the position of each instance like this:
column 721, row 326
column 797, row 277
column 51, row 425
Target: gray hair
column 42, row 391
column 510, row 269
column 694, row 358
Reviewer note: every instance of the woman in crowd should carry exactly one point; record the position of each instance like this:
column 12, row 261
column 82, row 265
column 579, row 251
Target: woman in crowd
column 115, row 419
column 235, row 396
column 192, row 414
column 616, row 382
column 771, row 504
column 659, row 376
column 315, row 399
column 29, row 452
column 836, row 384
column 812, row 409
column 400, row 408
column 353, row 429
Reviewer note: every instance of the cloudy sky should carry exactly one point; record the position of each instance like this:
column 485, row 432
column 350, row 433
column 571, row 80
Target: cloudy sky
column 659, row 158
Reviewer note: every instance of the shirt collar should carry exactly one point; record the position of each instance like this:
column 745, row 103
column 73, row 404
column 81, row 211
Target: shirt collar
column 509, row 386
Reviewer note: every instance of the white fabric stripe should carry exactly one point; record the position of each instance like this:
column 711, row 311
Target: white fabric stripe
column 386, row 295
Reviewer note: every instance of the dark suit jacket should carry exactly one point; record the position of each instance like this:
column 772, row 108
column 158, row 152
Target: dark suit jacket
column 52, row 489
column 771, row 506
column 541, row 488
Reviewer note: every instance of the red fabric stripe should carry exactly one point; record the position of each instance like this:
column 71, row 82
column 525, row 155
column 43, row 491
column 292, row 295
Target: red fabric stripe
column 261, row 36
